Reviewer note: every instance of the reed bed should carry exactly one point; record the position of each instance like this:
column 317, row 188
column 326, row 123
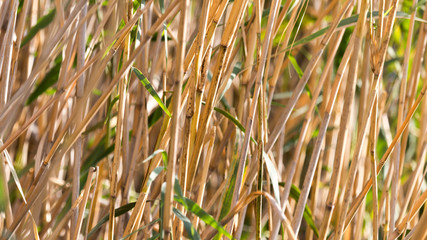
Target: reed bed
column 213, row 119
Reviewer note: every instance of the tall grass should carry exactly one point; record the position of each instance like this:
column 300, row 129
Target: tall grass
column 213, row 119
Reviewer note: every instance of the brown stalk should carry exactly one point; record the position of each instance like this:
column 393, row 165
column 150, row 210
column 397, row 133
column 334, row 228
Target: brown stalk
column 204, row 174
column 322, row 131
column 142, row 198
column 280, row 58
column 414, row 78
column 348, row 103
column 372, row 154
column 78, row 148
column 244, row 202
column 6, row 56
column 190, row 127
column 412, row 213
column 71, row 140
column 278, row 129
column 173, row 148
column 226, row 41
column 61, row 224
column 254, row 103
column 121, row 134
column 86, row 191
column 47, row 56
column 218, row 8
column 398, row 154
column 251, row 44
column 357, row 201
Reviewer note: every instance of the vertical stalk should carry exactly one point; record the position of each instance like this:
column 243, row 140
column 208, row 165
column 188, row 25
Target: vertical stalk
column 278, row 129
column 372, row 153
column 173, row 149
column 227, row 39
column 6, row 55
column 78, row 147
column 258, row 83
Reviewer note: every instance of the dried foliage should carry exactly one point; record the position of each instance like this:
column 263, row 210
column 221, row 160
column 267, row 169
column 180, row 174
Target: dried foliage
column 215, row 119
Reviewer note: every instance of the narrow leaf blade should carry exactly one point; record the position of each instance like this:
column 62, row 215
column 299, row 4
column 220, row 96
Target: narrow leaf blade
column 150, row 89
column 192, row 233
column 41, row 23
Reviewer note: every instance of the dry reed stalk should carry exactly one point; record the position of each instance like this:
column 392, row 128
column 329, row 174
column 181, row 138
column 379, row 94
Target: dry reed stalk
column 304, row 79
column 319, row 142
column 92, row 203
column 378, row 60
column 47, row 55
column 245, row 201
column 396, row 153
column 78, row 148
column 226, row 41
column 280, row 58
column 357, row 201
column 94, row 214
column 6, row 56
column 253, row 106
column 308, row 118
column 92, row 111
column 194, row 97
column 149, row 37
column 372, row 154
column 71, row 140
column 83, row 203
column 348, row 102
column 250, row 45
column 140, row 204
column 401, row 226
column 218, row 8
column 61, row 224
column 121, row 133
column 173, row 151
column 413, row 81
column 407, row 222
column 204, row 175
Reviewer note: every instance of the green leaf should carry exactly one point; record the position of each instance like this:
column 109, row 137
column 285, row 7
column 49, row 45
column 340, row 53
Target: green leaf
column 48, row 81
column 348, row 22
column 192, row 233
column 227, row 196
column 388, row 11
column 233, row 120
column 3, row 199
column 150, row 89
column 164, row 156
column 194, row 208
column 41, row 23
column 236, row 70
column 117, row 212
column 155, row 236
column 141, row 228
column 162, row 5
column 296, row 66
column 307, row 89
column 157, row 114
column 110, row 108
column 108, row 49
column 153, row 176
